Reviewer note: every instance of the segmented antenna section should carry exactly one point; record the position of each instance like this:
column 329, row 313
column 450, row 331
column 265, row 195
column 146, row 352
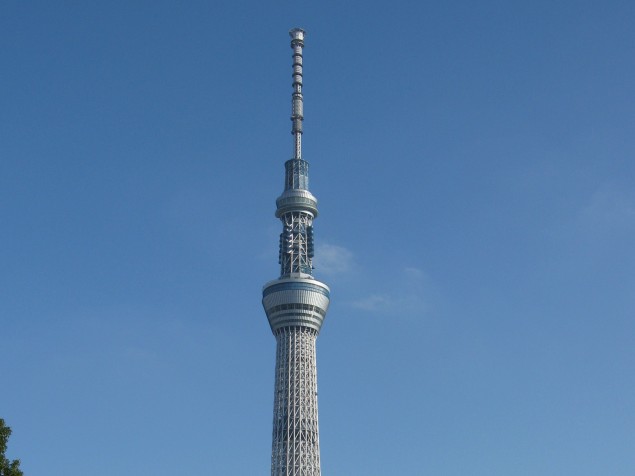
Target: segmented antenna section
column 297, row 113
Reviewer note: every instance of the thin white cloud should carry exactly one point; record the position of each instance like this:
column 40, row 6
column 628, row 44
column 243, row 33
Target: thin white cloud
column 374, row 302
column 414, row 274
column 333, row 259
column 609, row 207
column 407, row 294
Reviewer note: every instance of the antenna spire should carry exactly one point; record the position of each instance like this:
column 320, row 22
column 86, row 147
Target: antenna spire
column 297, row 109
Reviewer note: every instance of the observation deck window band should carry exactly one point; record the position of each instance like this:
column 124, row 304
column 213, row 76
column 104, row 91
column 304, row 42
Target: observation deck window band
column 297, row 306
column 317, row 313
column 300, row 316
column 314, row 322
column 296, row 286
column 289, row 200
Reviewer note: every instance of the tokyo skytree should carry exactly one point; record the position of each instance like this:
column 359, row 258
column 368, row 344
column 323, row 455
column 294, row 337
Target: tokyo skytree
column 296, row 304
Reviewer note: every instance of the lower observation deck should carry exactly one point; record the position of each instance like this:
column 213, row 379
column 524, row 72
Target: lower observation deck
column 295, row 302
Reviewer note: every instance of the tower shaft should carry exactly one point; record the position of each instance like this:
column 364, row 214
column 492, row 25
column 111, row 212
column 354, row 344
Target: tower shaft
column 296, row 304
column 296, row 444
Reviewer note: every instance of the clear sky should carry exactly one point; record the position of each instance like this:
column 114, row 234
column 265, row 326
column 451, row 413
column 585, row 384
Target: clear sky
column 474, row 167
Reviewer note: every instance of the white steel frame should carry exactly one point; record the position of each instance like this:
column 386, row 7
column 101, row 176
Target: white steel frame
column 296, row 446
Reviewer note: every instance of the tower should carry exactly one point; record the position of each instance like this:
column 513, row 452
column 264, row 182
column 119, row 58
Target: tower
column 296, row 304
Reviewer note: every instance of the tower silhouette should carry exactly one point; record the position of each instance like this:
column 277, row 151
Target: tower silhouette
column 296, row 304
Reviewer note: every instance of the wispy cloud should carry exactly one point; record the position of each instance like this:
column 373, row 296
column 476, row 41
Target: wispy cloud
column 333, row 259
column 374, row 302
column 609, row 207
column 406, row 293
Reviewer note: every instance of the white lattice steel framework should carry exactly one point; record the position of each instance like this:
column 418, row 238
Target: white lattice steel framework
column 296, row 304
column 296, row 443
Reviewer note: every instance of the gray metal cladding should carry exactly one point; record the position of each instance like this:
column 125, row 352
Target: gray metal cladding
column 295, row 302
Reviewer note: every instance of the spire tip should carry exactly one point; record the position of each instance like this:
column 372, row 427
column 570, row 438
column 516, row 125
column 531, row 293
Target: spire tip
column 297, row 34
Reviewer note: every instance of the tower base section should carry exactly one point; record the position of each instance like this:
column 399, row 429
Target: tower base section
column 296, row 448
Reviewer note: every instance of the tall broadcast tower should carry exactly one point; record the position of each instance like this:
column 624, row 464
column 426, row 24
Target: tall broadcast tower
column 296, row 304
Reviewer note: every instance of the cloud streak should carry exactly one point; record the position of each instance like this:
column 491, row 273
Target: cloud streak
column 404, row 292
column 609, row 208
column 407, row 294
column 333, row 259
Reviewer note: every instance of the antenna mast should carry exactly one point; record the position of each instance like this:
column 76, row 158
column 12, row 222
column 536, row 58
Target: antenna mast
column 297, row 109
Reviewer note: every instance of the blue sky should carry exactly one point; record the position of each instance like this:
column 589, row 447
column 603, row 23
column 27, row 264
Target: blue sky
column 474, row 167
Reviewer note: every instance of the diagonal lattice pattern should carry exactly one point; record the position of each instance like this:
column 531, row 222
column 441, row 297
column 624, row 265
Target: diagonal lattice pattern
column 296, row 447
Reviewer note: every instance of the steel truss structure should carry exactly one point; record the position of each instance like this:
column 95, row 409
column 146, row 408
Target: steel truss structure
column 296, row 304
column 296, row 442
